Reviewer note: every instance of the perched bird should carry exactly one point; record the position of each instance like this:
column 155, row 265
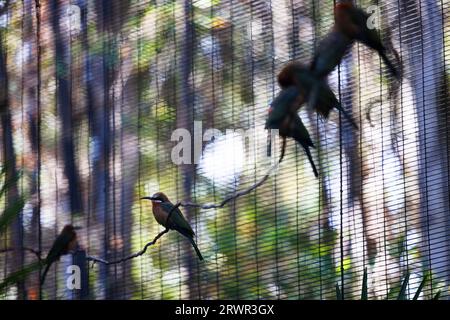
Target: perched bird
column 316, row 91
column 329, row 52
column 161, row 207
column 353, row 22
column 64, row 244
column 283, row 116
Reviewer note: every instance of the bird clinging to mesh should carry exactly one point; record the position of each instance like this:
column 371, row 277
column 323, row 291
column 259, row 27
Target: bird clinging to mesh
column 353, row 22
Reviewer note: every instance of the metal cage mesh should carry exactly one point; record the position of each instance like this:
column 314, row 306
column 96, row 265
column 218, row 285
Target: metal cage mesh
column 97, row 89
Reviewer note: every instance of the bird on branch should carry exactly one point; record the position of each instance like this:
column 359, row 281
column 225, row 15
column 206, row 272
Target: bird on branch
column 162, row 207
column 65, row 243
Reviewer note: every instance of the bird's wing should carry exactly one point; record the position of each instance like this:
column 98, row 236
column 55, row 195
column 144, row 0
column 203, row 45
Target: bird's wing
column 329, row 53
column 299, row 132
column 370, row 36
column 281, row 105
column 59, row 246
column 359, row 17
column 177, row 219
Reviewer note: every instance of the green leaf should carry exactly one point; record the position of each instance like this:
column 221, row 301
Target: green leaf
column 364, row 294
column 5, row 187
column 18, row 275
column 402, row 293
column 437, row 296
column 422, row 284
column 10, row 213
column 338, row 293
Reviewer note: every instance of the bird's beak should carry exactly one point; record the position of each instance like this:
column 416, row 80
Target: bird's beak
column 77, row 228
column 151, row 199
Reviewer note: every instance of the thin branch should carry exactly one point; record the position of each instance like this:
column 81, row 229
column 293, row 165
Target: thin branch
column 139, row 253
column 237, row 194
column 35, row 252
column 134, row 255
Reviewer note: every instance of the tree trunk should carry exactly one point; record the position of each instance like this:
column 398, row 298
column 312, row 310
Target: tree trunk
column 9, row 160
column 64, row 106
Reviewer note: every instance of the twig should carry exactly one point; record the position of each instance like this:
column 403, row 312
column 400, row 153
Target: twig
column 134, row 255
column 139, row 253
column 236, row 195
column 35, row 252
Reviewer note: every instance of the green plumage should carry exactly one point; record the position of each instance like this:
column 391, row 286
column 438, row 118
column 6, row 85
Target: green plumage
column 283, row 116
column 286, row 102
column 329, row 53
column 177, row 220
column 298, row 84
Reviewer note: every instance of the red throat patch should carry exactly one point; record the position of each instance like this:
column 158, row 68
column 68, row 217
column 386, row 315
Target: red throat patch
column 343, row 6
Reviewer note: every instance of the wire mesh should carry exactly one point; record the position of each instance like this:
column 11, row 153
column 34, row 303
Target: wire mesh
column 97, row 90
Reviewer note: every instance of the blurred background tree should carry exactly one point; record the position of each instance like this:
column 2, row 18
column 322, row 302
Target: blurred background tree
column 91, row 92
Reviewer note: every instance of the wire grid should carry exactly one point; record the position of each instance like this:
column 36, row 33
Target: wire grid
column 119, row 85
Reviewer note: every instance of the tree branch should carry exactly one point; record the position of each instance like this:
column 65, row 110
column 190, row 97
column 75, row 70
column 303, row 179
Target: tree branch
column 35, row 252
column 134, row 255
column 234, row 196
column 139, row 253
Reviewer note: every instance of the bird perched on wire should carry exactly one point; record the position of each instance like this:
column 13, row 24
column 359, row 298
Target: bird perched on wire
column 283, row 116
column 316, row 91
column 353, row 22
column 162, row 207
column 65, row 243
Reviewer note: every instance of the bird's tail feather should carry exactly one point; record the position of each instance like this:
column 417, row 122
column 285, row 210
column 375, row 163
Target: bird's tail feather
column 200, row 257
column 392, row 69
column 44, row 274
column 283, row 150
column 311, row 161
column 269, row 143
column 347, row 116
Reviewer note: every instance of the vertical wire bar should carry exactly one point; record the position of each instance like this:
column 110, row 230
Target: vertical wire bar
column 139, row 122
column 275, row 192
column 194, row 215
column 445, row 98
column 385, row 238
column 361, row 173
column 341, row 191
column 403, row 141
column 425, row 145
column 213, row 88
column 38, row 106
column 320, row 186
